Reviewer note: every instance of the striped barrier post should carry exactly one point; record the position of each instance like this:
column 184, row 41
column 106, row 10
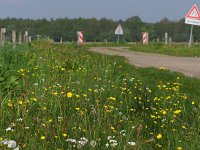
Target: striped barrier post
column 145, row 38
column 80, row 37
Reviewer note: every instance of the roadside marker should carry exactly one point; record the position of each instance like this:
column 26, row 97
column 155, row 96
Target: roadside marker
column 80, row 37
column 193, row 18
column 119, row 31
column 193, row 13
column 145, row 38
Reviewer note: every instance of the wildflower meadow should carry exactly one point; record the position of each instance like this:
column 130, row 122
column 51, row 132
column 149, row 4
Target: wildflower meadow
column 61, row 96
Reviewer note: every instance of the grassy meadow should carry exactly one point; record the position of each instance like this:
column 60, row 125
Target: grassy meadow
column 61, row 96
column 174, row 49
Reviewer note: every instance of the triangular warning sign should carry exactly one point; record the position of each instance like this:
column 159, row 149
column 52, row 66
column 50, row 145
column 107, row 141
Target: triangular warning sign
column 193, row 13
column 119, row 30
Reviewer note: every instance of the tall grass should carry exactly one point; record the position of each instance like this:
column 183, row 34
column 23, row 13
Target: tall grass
column 69, row 98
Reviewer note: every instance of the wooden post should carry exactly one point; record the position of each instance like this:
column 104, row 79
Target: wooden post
column 29, row 39
column 19, row 38
column 26, row 37
column 166, row 38
column 13, row 36
column 38, row 37
column 170, row 41
column 3, row 31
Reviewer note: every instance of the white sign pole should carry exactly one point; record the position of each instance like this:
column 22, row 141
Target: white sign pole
column 190, row 41
column 118, row 39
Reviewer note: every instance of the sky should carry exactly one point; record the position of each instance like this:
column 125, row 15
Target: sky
column 147, row 10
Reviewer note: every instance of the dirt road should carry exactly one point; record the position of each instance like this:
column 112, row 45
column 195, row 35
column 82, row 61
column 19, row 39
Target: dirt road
column 189, row 66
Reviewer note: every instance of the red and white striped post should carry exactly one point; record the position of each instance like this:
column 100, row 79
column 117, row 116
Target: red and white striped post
column 145, row 38
column 80, row 37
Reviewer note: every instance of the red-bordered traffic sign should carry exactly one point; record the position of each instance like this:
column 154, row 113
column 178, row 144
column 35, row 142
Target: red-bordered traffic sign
column 193, row 16
column 193, row 13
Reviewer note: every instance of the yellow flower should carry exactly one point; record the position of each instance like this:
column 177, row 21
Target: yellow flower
column 20, row 102
column 42, row 137
column 108, row 111
column 50, row 120
column 44, row 108
column 159, row 136
column 179, row 148
column 177, row 111
column 152, row 116
column 77, row 96
column 69, row 94
column 162, row 68
column 173, row 130
column 112, row 98
column 183, row 127
column 193, row 102
column 10, row 104
column 77, row 108
column 164, row 112
column 34, row 99
column 112, row 128
column 64, row 134
column 55, row 136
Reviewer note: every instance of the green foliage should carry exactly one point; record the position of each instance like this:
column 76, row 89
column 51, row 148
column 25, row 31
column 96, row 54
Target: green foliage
column 100, row 30
column 71, row 98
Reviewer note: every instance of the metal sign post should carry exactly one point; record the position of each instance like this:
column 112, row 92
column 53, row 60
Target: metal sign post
column 190, row 41
column 118, row 39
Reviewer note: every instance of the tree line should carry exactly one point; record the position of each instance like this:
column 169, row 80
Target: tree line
column 100, row 30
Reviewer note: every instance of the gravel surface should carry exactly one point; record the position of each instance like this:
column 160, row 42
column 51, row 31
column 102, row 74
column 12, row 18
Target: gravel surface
column 189, row 66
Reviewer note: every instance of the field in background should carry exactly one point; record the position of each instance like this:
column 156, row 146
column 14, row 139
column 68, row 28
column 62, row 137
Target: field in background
column 176, row 49
column 62, row 96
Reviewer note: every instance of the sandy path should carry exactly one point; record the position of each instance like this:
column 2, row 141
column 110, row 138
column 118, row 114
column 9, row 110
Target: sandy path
column 189, row 66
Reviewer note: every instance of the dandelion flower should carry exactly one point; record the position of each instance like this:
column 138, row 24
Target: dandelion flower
column 159, row 136
column 42, row 137
column 177, row 111
column 179, row 148
column 69, row 94
column 20, row 102
column 112, row 98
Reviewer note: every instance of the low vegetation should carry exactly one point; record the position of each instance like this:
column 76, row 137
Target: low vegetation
column 174, row 49
column 58, row 96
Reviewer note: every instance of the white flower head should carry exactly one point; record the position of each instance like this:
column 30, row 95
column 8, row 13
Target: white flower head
column 8, row 129
column 132, row 143
column 9, row 143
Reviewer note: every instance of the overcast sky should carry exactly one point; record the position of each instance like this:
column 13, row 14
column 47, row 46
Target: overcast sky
column 147, row 10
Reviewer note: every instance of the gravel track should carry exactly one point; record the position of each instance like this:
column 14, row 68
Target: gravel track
column 189, row 66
